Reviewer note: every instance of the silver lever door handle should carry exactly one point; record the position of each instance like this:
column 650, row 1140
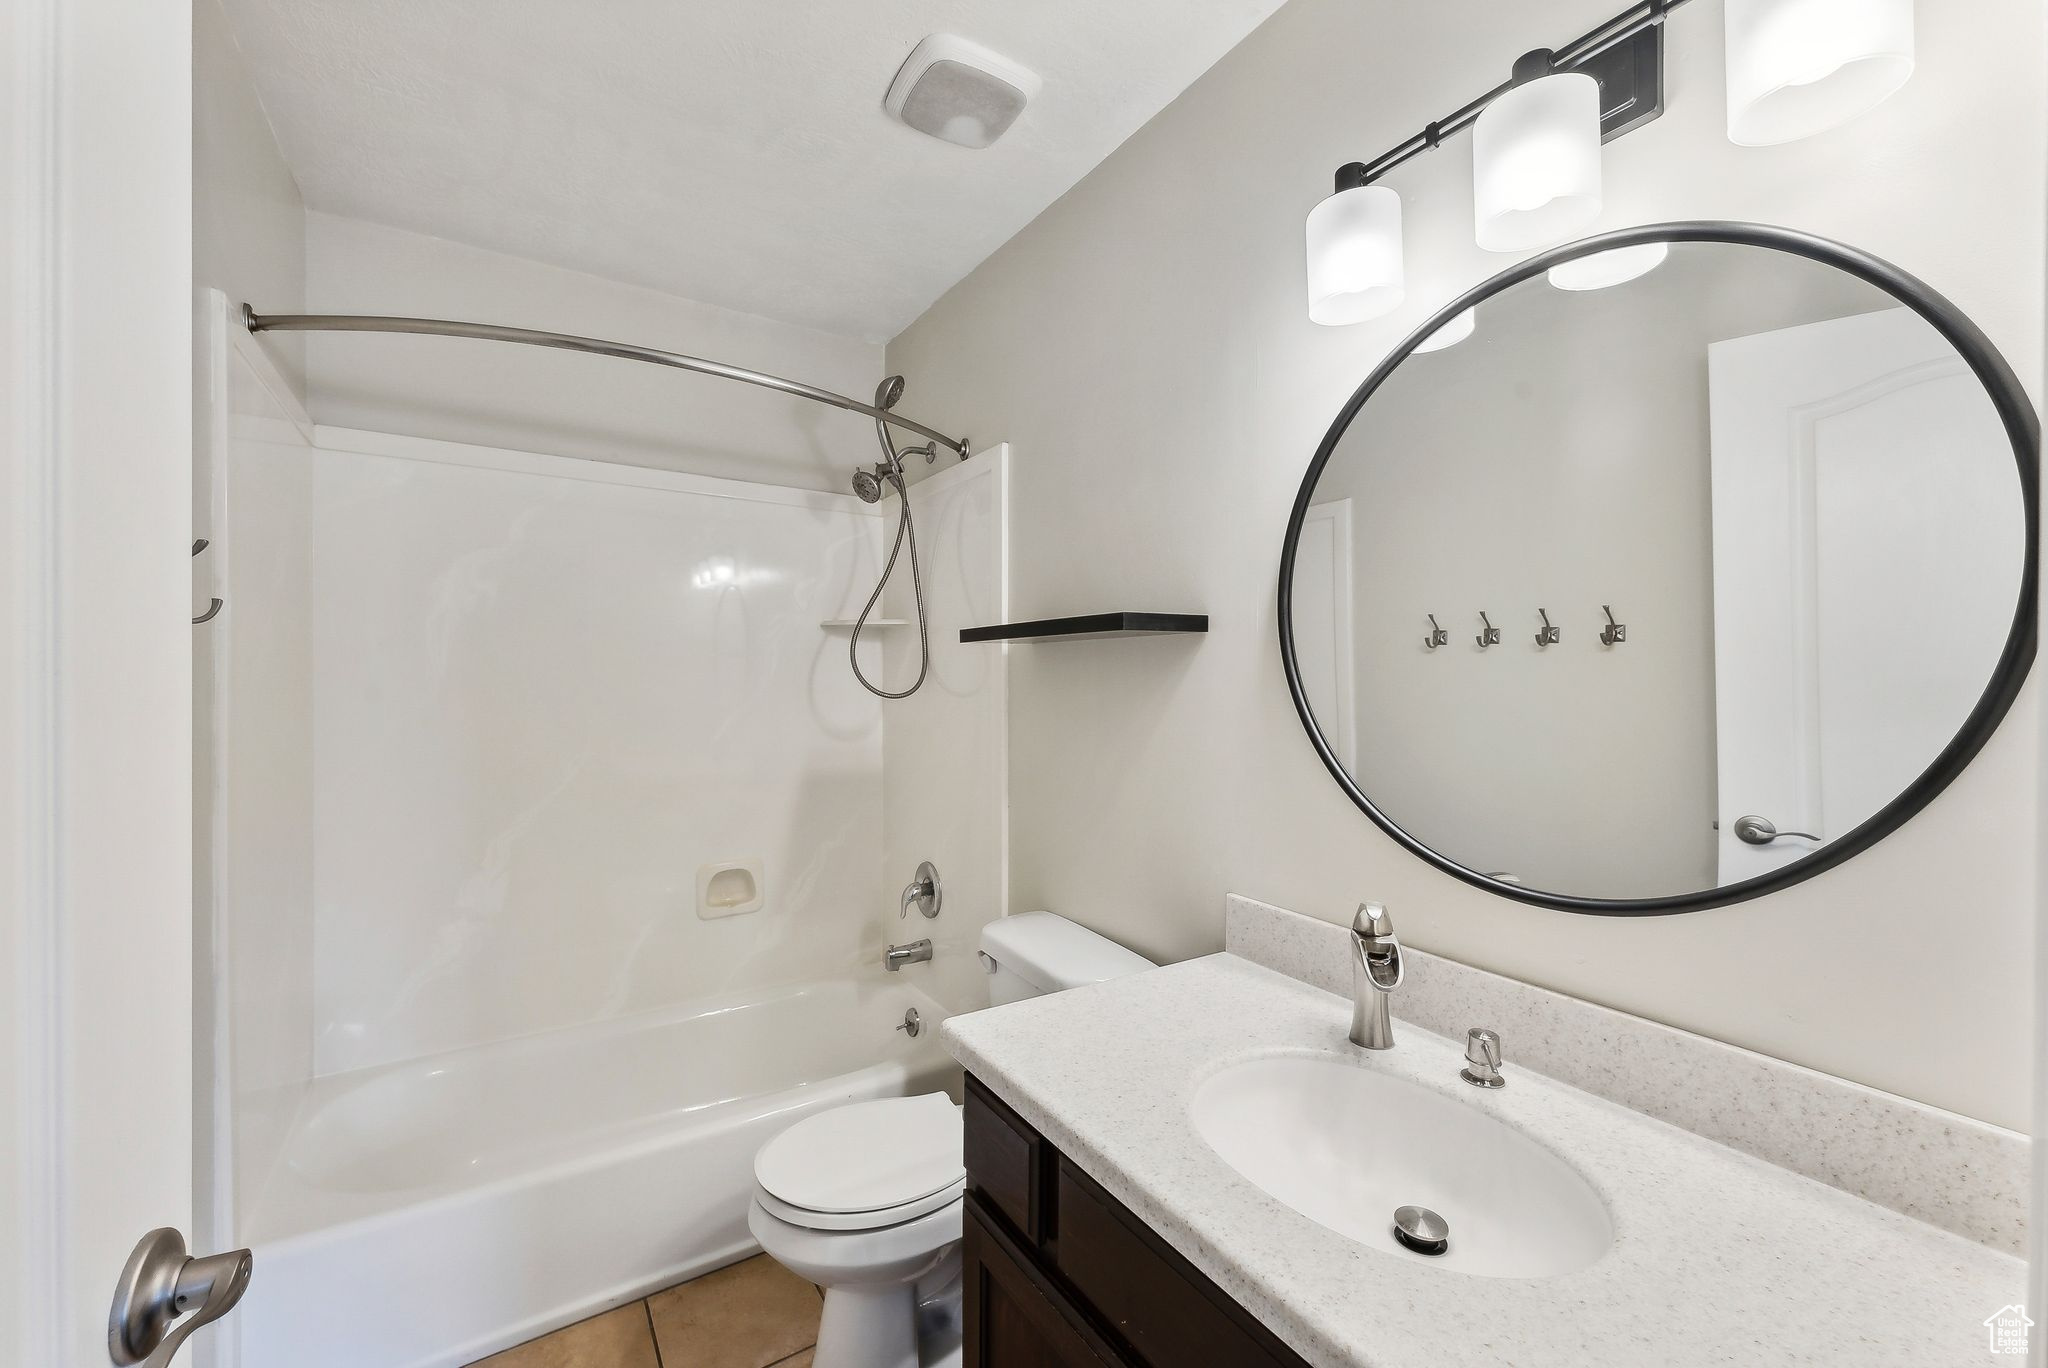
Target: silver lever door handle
column 1760, row 831
column 161, row 1284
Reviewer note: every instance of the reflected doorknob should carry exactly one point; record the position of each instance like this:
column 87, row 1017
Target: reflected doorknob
column 163, row 1283
column 1759, row 831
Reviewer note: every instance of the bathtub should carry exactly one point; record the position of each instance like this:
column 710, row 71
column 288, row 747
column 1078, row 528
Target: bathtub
column 426, row 1214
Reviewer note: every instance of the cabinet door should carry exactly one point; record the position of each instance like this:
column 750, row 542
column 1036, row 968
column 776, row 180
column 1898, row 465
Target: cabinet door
column 1015, row 1318
column 1148, row 1297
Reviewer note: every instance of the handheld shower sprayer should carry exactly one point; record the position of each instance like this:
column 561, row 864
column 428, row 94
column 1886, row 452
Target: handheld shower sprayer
column 868, row 485
column 871, row 484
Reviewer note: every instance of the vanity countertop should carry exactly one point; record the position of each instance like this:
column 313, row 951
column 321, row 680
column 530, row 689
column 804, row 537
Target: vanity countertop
column 1718, row 1258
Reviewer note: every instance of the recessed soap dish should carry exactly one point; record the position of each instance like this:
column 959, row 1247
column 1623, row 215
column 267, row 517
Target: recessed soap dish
column 729, row 890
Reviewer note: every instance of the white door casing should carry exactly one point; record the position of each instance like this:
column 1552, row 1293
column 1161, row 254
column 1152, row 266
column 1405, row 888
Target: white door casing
column 1323, row 649
column 95, row 831
column 1867, row 552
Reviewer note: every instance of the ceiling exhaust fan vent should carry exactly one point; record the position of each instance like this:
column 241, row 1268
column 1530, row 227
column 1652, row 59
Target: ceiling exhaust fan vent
column 959, row 91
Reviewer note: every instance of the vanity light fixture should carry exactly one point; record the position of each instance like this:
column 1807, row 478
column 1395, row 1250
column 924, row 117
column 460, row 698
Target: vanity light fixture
column 1794, row 67
column 1536, row 158
column 1450, row 334
column 1800, row 67
column 1354, row 236
column 1603, row 269
column 1354, row 252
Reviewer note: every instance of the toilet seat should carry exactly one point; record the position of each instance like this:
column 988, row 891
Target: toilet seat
column 857, row 1220
column 864, row 1166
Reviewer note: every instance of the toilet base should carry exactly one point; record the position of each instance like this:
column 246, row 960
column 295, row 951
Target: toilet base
column 892, row 1295
column 902, row 1326
column 868, row 1327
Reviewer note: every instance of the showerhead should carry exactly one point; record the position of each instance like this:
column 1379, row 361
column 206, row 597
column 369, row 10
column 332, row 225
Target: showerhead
column 868, row 486
column 888, row 392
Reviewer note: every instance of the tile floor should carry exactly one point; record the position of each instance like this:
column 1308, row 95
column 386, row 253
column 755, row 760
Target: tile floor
column 753, row 1314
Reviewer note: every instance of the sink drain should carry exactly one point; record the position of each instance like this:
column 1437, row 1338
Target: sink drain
column 1421, row 1230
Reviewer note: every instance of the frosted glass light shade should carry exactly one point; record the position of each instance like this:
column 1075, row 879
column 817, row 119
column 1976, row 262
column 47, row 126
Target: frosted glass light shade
column 1615, row 267
column 1799, row 67
column 1355, row 269
column 1536, row 163
column 1450, row 334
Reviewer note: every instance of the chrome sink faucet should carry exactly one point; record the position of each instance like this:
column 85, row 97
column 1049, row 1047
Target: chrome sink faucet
column 1375, row 974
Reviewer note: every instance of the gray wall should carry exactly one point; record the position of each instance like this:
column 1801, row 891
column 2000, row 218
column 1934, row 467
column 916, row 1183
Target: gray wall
column 1145, row 346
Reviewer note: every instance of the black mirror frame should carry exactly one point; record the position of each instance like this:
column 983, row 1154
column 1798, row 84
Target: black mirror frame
column 2015, row 411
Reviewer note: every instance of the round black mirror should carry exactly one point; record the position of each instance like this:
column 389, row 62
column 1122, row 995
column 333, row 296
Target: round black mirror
column 1665, row 569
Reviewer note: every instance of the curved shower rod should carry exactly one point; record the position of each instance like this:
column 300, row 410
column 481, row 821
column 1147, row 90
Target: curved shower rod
column 534, row 337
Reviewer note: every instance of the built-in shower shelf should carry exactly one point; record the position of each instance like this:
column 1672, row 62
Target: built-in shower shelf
column 1091, row 627
column 846, row 624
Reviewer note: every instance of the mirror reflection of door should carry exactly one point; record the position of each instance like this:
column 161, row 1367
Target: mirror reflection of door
column 1322, row 617
column 1866, row 525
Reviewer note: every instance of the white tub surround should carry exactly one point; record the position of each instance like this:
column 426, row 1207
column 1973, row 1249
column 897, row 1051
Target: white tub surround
column 1963, row 1175
column 1718, row 1257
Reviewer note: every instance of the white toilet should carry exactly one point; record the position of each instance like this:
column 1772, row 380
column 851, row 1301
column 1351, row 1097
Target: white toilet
column 864, row 1200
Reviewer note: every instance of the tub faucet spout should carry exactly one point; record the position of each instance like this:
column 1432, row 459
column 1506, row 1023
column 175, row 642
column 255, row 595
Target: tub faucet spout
column 896, row 956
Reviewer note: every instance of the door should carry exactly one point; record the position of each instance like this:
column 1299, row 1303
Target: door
column 95, row 671
column 1867, row 549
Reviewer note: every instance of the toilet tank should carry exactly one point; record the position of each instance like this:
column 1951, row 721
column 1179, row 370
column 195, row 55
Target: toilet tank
column 1034, row 953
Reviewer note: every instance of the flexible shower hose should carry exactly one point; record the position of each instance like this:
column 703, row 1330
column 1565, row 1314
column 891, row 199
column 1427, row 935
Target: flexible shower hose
column 904, row 527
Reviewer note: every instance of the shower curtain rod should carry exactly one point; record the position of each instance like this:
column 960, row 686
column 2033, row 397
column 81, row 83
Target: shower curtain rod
column 534, row 337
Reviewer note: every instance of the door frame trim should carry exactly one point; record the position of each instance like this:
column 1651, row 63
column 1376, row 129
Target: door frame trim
column 31, row 1282
column 95, row 824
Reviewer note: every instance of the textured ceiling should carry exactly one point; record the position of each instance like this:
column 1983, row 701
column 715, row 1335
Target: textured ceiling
column 732, row 151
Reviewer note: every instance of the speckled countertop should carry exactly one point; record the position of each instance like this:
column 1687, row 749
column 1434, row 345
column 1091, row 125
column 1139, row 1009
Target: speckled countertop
column 1718, row 1258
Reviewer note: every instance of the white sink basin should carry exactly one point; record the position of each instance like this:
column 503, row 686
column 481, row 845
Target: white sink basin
column 1346, row 1145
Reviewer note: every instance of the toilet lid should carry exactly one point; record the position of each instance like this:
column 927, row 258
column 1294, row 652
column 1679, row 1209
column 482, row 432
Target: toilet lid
column 866, row 1156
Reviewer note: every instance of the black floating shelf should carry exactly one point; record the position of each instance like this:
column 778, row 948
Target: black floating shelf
column 1091, row 627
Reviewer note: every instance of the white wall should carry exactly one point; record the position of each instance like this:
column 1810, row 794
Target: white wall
column 496, row 394
column 1145, row 348
column 945, row 749
column 248, row 220
column 248, row 242
column 255, row 831
column 546, row 692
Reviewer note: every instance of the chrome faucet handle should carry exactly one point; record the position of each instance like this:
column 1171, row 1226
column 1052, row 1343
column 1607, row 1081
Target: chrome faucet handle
column 1482, row 1059
column 1377, row 947
column 921, row 893
column 1375, row 974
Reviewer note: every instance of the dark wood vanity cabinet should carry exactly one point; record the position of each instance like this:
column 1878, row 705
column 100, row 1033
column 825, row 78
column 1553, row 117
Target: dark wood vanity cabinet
column 1059, row 1274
